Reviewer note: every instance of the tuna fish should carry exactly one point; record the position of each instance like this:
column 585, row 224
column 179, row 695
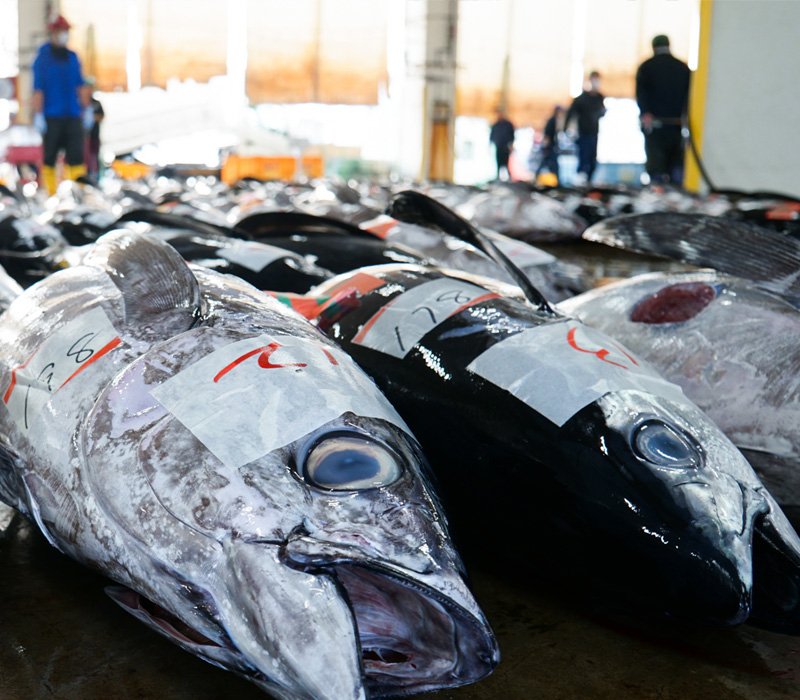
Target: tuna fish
column 734, row 247
column 733, row 347
column 256, row 498
column 333, row 245
column 556, row 280
column 588, row 461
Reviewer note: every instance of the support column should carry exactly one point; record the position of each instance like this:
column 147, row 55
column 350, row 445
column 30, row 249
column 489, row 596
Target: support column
column 33, row 16
column 429, row 92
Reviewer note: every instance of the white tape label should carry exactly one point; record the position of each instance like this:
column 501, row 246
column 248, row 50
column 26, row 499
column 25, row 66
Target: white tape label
column 253, row 255
column 522, row 254
column 558, row 368
column 99, row 219
column 403, row 322
column 56, row 362
column 253, row 396
column 27, row 228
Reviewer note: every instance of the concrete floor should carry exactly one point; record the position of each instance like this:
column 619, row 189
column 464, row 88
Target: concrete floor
column 61, row 638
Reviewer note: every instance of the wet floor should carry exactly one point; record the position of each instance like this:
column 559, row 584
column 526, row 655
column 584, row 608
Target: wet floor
column 61, row 638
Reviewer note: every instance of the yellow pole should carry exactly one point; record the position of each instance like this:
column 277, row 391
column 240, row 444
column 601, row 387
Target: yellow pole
column 697, row 97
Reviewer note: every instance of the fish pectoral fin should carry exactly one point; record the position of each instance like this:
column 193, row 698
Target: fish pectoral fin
column 295, row 627
column 170, row 626
column 151, row 275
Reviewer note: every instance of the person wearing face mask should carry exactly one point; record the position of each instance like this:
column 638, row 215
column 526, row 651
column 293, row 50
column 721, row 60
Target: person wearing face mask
column 588, row 108
column 59, row 98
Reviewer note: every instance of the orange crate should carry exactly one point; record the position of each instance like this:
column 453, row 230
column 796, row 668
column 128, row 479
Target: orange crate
column 130, row 171
column 268, row 167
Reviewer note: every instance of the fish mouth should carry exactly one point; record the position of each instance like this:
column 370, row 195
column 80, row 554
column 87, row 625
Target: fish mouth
column 412, row 638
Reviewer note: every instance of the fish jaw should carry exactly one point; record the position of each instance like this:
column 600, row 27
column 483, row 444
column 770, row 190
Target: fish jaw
column 293, row 626
column 776, row 584
column 339, row 629
column 419, row 629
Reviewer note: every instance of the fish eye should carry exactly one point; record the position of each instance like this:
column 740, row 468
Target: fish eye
column 350, row 462
column 665, row 446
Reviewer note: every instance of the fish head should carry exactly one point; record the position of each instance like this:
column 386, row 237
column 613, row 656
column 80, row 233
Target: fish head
column 282, row 515
column 683, row 494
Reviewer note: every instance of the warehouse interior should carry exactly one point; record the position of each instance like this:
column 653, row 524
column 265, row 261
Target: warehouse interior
column 235, row 74
column 332, row 96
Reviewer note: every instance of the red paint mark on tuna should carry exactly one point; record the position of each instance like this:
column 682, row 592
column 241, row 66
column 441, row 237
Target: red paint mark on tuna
column 674, row 304
column 108, row 347
column 13, row 383
column 265, row 359
column 601, row 354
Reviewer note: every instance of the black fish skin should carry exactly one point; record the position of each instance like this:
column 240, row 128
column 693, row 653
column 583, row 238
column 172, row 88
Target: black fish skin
column 334, row 245
column 566, row 501
column 288, row 273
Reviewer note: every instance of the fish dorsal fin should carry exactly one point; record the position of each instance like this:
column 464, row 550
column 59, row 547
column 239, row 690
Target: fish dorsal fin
column 417, row 208
column 149, row 273
column 737, row 248
column 176, row 221
column 282, row 223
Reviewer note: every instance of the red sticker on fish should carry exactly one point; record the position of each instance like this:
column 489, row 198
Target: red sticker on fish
column 56, row 362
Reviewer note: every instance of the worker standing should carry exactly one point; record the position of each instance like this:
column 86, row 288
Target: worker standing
column 588, row 108
column 502, row 136
column 662, row 92
column 59, row 98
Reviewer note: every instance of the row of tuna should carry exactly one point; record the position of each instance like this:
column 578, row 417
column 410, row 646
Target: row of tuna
column 273, row 488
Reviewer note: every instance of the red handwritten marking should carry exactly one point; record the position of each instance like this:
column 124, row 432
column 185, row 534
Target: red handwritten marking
column 102, row 351
column 476, row 300
column 264, row 354
column 622, row 350
column 601, row 354
column 13, row 383
column 265, row 363
column 237, row 361
column 328, row 354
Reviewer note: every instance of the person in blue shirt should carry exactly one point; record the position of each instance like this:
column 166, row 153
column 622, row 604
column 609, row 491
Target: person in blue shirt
column 60, row 95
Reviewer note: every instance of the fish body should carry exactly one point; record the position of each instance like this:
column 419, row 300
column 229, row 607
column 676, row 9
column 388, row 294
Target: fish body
column 256, row 498
column 732, row 346
column 590, row 464
column 331, row 244
column 554, row 279
column 29, row 250
column 516, row 211
column 260, row 264
column 737, row 248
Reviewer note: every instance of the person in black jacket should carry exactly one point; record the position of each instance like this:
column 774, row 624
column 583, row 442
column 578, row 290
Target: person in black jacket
column 550, row 150
column 502, row 136
column 588, row 108
column 662, row 91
